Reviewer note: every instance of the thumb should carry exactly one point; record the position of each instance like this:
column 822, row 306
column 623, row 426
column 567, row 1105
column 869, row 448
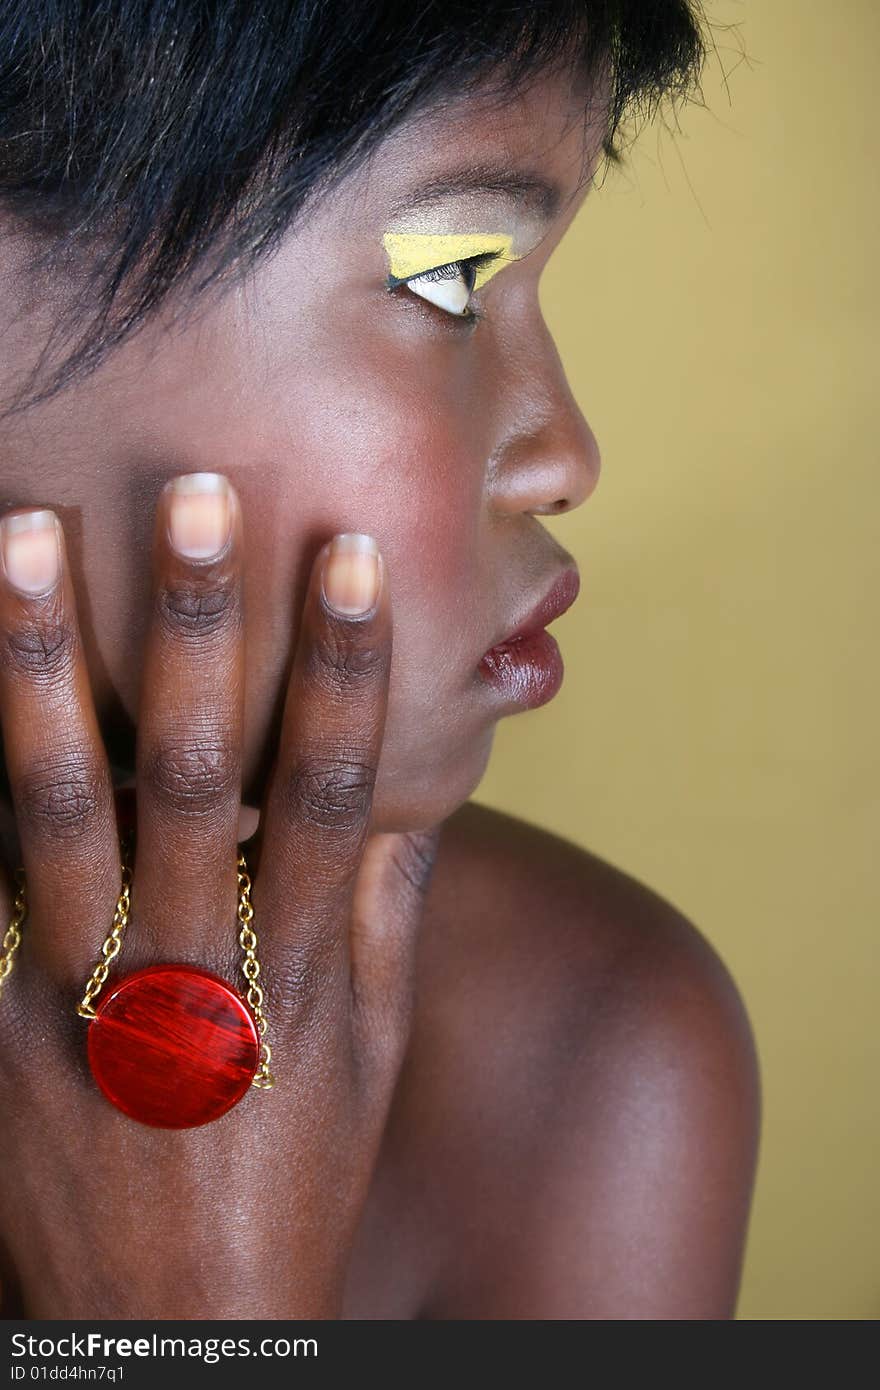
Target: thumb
column 390, row 894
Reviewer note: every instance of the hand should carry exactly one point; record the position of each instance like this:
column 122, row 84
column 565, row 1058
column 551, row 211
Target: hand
column 254, row 1214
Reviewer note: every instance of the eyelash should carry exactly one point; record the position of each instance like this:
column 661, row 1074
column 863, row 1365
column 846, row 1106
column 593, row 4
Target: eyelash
column 471, row 315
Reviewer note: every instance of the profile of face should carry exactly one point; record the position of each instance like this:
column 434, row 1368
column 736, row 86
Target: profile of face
column 343, row 387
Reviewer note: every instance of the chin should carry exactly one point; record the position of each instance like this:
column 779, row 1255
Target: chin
column 407, row 801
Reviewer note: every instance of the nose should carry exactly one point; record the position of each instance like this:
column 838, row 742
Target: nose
column 549, row 461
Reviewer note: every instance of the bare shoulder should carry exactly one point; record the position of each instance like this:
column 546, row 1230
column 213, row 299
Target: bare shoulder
column 534, row 911
column 593, row 1106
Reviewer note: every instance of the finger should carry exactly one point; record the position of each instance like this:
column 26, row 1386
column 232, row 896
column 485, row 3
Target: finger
column 59, row 776
column 188, row 780
column 389, row 901
column 319, row 799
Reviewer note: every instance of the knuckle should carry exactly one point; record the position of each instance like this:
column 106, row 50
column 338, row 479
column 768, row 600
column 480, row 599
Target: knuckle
column 191, row 777
column 305, row 983
column 414, row 858
column 304, row 979
column 41, row 650
column 192, row 611
column 331, row 792
column 63, row 799
column 341, row 658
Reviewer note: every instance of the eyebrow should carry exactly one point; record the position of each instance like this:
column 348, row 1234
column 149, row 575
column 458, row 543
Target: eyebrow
column 529, row 190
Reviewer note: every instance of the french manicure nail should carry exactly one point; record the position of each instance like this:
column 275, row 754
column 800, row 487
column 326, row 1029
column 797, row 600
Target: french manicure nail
column 200, row 514
column 31, row 553
column 352, row 573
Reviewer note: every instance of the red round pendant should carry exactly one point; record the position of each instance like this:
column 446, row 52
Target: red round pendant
column 173, row 1046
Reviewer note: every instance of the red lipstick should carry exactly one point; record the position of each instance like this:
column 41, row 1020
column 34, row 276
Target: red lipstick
column 526, row 666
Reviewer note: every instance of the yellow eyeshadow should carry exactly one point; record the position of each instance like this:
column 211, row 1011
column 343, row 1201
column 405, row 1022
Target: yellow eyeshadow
column 412, row 253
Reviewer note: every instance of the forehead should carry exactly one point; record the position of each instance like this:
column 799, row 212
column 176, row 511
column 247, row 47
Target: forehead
column 537, row 147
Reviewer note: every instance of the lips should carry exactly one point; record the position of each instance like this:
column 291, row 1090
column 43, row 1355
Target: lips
column 558, row 598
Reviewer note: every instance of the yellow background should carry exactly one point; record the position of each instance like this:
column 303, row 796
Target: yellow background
column 716, row 306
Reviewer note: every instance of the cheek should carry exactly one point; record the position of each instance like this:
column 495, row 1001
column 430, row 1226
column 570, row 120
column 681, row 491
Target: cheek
column 378, row 421
column 322, row 430
column 386, row 443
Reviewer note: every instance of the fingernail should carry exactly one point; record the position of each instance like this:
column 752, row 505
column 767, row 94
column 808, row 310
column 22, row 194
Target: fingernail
column 200, row 515
column 31, row 554
column 351, row 573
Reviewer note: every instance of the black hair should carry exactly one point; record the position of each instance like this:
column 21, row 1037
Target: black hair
column 143, row 140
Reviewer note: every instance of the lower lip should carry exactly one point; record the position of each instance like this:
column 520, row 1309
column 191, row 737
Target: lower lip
column 527, row 670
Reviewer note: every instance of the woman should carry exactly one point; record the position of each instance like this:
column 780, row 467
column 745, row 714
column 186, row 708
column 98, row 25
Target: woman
column 509, row 1080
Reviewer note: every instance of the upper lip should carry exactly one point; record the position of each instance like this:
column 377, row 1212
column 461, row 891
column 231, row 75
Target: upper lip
column 559, row 597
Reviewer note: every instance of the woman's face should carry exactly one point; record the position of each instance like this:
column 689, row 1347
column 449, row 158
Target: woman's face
column 334, row 403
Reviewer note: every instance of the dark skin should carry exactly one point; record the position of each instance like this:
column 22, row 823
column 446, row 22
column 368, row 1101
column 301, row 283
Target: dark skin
column 588, row 1141
column 512, row 1081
